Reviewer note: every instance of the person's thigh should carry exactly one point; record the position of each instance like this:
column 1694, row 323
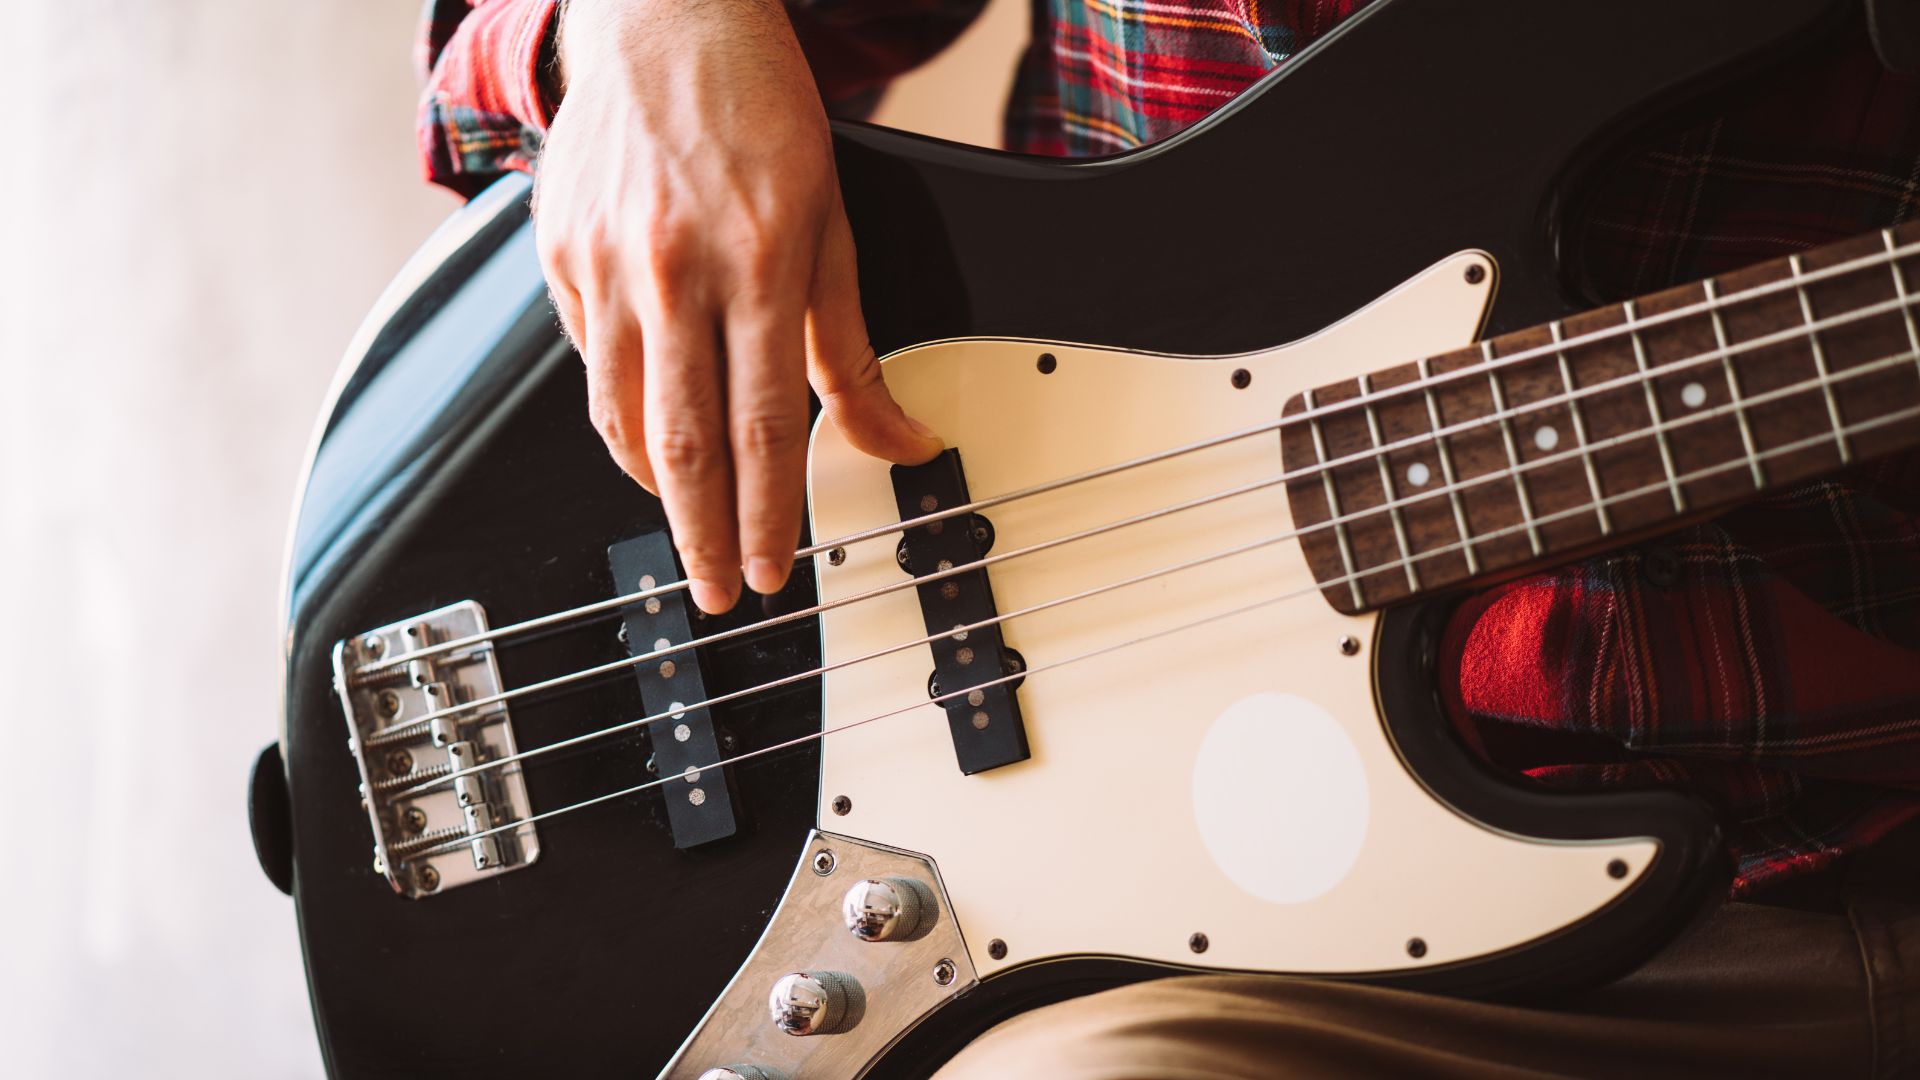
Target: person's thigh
column 1753, row 992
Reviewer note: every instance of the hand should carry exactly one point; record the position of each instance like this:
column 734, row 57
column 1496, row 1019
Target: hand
column 690, row 227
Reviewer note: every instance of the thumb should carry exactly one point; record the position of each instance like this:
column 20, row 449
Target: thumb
column 841, row 363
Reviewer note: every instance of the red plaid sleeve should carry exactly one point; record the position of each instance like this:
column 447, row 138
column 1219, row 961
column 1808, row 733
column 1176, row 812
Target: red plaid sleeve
column 482, row 110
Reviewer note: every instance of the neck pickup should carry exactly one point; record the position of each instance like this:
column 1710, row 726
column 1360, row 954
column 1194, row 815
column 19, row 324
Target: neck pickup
column 1543, row 444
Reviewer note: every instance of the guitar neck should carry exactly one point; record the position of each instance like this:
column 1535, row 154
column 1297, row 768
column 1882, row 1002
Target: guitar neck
column 1549, row 442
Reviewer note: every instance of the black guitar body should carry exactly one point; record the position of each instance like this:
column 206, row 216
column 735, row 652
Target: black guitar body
column 458, row 463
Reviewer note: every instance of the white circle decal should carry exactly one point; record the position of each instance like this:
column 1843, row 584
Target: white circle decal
column 1280, row 797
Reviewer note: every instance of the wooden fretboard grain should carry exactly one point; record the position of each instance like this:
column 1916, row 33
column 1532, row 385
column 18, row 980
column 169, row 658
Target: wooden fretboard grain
column 1538, row 463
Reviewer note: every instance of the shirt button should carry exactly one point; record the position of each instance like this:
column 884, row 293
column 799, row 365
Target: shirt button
column 1661, row 567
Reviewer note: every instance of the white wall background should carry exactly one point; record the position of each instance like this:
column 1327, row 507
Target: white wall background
column 198, row 201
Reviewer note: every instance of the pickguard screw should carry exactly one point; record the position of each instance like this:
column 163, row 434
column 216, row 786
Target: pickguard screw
column 1198, row 943
column 374, row 646
column 997, row 949
column 429, row 878
column 1476, row 274
column 1242, row 378
column 837, row 556
column 622, row 634
column 1617, row 869
column 400, row 763
column 842, row 805
column 1047, row 363
column 823, row 862
column 1416, row 947
column 388, row 703
column 415, row 818
column 944, row 972
column 1349, row 645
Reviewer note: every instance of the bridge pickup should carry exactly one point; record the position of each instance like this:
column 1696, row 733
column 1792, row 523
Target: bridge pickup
column 699, row 802
column 419, row 818
column 986, row 725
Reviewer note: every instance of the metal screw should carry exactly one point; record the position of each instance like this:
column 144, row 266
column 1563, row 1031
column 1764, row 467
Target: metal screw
column 388, row 703
column 374, row 646
column 653, row 766
column 429, row 878
column 997, row 949
column 1242, row 378
column 728, row 744
column 415, row 818
column 823, row 862
column 1617, row 869
column 1476, row 274
column 1349, row 645
column 837, row 556
column 842, row 805
column 622, row 633
column 1198, row 943
column 1416, row 947
column 900, row 556
column 944, row 972
column 1047, row 363
column 399, row 763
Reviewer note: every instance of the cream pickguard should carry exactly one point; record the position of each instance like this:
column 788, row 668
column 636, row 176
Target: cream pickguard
column 1232, row 780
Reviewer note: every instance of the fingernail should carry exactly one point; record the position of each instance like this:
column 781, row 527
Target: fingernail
column 711, row 597
column 919, row 428
column 766, row 576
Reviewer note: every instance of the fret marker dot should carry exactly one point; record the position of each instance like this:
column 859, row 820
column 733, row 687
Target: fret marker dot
column 1693, row 395
column 1417, row 475
column 1546, row 438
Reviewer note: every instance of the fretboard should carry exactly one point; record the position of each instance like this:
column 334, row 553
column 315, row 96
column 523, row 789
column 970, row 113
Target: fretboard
column 1608, row 426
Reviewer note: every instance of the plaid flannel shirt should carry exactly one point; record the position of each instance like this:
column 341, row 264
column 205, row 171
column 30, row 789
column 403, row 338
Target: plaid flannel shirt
column 1770, row 658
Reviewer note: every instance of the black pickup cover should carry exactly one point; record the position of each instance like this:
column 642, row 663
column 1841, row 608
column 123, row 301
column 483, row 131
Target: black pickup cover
column 986, row 725
column 669, row 680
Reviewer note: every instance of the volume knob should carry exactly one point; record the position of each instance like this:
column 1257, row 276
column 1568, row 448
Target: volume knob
column 816, row 1003
column 886, row 909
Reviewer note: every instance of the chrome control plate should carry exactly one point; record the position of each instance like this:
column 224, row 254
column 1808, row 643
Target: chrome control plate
column 900, row 983
column 398, row 750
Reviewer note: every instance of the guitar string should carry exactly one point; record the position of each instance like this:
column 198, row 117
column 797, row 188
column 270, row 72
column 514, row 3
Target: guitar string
column 692, row 774
column 1481, row 538
column 399, row 730
column 1637, row 326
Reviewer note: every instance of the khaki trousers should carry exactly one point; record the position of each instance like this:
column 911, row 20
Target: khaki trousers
column 1752, row 991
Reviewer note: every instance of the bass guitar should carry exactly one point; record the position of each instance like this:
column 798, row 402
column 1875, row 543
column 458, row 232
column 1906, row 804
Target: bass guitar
column 1137, row 678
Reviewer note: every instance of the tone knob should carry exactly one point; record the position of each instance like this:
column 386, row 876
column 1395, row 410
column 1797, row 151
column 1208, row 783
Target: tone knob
column 744, row 1072
column 886, row 909
column 816, row 1003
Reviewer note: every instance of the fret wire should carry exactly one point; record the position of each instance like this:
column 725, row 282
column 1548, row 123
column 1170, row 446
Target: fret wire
column 1387, row 485
column 1820, row 363
column 1631, row 308
column 1898, row 416
column 1446, row 470
column 1333, row 506
column 1733, row 385
column 1513, row 452
column 1900, row 290
column 1580, row 434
